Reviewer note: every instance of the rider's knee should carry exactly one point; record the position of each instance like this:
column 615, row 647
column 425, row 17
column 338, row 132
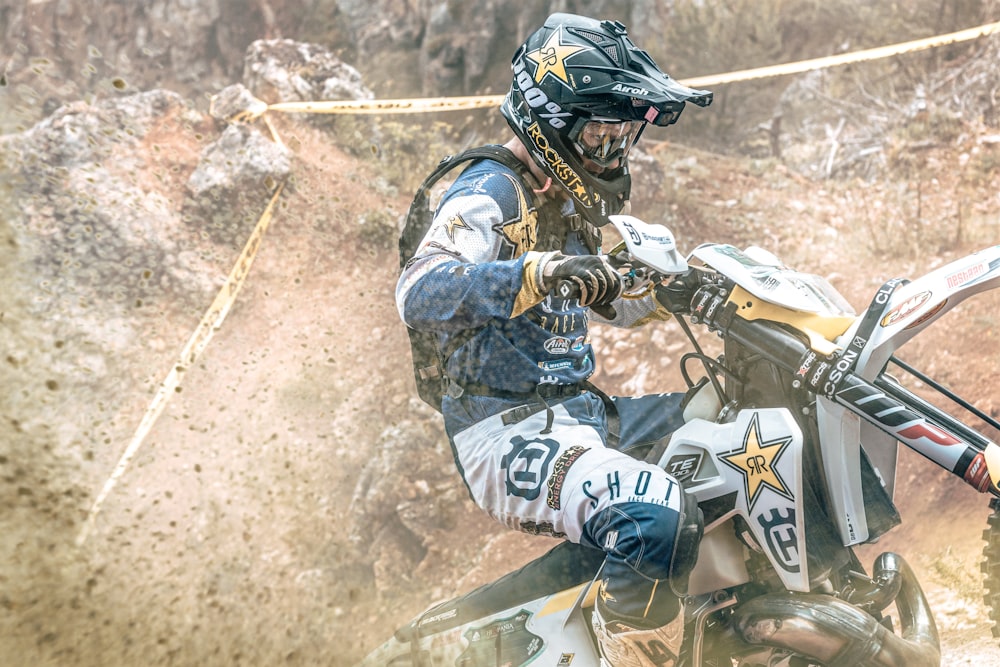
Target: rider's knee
column 654, row 541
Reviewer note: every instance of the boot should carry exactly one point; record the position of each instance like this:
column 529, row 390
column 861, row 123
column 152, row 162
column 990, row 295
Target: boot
column 625, row 645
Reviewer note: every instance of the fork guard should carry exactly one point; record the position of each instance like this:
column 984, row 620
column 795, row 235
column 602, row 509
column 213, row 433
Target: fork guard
column 838, row 634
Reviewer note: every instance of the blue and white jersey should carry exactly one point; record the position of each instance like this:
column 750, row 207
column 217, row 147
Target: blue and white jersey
column 476, row 269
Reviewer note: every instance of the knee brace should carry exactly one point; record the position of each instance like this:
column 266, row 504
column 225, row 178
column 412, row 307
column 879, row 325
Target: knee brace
column 640, row 542
column 645, row 575
column 690, row 529
column 655, row 541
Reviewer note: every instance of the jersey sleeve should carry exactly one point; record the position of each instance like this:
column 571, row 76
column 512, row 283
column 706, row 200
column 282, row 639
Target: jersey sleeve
column 457, row 278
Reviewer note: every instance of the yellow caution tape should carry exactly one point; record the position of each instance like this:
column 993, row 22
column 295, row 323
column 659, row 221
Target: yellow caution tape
column 210, row 323
column 390, row 106
column 846, row 58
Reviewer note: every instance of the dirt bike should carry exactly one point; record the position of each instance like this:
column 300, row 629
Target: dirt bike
column 792, row 469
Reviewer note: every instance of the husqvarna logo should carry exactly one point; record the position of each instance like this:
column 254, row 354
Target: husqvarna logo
column 781, row 537
column 527, row 465
column 633, row 234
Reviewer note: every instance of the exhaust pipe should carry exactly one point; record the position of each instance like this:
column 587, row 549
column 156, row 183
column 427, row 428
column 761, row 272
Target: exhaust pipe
column 839, row 634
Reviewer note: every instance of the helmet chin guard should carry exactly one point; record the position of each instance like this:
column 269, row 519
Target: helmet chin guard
column 573, row 73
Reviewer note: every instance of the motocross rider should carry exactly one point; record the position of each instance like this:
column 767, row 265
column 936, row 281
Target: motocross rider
column 539, row 448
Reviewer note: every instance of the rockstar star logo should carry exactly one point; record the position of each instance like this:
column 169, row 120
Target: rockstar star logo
column 523, row 232
column 454, row 223
column 756, row 461
column 602, row 591
column 551, row 58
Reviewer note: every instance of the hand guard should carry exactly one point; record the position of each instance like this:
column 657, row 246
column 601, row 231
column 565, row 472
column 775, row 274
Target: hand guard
column 590, row 278
column 676, row 295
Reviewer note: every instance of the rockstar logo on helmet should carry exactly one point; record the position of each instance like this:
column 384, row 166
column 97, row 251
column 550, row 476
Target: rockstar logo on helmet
column 551, row 58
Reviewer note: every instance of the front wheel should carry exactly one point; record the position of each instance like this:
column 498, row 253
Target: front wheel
column 991, row 565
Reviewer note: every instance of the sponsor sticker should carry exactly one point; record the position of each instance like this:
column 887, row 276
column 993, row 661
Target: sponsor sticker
column 756, row 460
column 557, row 345
column 437, row 618
column 806, row 364
column 558, row 477
column 966, row 275
column 926, row 316
column 905, row 309
column 565, row 173
column 505, row 641
column 555, row 365
column 683, row 467
column 630, row 90
column 977, row 474
column 540, row 528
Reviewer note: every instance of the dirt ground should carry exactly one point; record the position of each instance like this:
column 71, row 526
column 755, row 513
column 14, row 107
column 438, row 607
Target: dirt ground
column 226, row 540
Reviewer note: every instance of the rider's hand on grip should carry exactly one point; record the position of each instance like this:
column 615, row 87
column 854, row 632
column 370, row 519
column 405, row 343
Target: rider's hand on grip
column 676, row 295
column 589, row 278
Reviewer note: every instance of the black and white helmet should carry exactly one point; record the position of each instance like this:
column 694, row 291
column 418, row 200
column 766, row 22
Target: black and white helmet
column 582, row 89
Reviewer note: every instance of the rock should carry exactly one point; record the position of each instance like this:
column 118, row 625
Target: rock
column 63, row 50
column 89, row 221
column 241, row 160
column 234, row 177
column 283, row 70
column 236, row 104
column 406, row 497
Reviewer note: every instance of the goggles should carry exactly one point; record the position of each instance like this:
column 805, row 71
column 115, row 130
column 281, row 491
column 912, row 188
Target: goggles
column 605, row 140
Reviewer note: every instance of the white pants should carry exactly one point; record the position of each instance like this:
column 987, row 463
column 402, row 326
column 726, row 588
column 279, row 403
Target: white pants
column 567, row 483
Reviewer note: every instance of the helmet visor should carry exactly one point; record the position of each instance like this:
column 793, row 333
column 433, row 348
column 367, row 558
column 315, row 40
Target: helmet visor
column 605, row 141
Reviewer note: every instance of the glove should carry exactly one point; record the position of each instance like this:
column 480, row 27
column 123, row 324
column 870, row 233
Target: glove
column 676, row 295
column 590, row 278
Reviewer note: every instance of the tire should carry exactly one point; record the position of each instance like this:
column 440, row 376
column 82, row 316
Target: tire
column 991, row 566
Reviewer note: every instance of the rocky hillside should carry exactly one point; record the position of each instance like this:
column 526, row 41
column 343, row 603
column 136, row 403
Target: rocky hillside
column 294, row 502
